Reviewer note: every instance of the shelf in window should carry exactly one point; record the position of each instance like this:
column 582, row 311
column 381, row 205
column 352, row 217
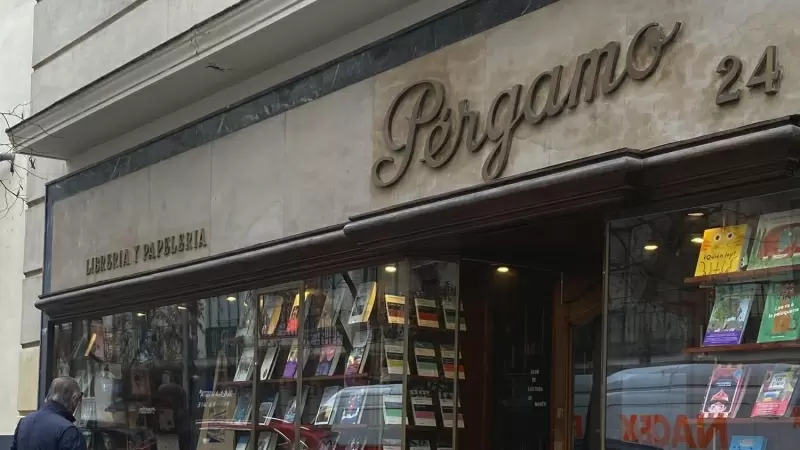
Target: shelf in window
column 751, row 347
column 224, row 425
column 783, row 273
column 224, row 384
column 358, row 376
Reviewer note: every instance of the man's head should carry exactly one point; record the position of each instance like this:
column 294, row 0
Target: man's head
column 66, row 392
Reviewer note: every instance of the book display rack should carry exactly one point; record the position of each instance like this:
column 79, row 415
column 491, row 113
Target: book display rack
column 359, row 360
column 719, row 290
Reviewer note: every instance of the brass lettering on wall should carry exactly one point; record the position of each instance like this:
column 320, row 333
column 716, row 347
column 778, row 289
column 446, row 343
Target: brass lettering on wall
column 446, row 129
column 170, row 245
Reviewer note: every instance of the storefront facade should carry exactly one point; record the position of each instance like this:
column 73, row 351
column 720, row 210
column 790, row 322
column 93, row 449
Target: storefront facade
column 494, row 219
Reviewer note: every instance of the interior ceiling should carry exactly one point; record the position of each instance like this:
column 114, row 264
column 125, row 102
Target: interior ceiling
column 566, row 242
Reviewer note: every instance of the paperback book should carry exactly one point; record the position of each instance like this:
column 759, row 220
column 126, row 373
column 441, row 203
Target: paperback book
column 266, row 410
column 422, row 407
column 723, row 250
column 332, row 306
column 419, row 444
column 291, row 408
column 449, row 309
column 242, row 443
column 245, row 368
column 446, row 405
column 351, row 406
column 449, row 362
column 326, row 406
column 270, row 314
column 777, row 390
column 425, row 356
column 395, row 309
column 358, row 355
column 427, row 313
column 729, row 314
column 243, row 405
column 725, row 390
column 781, row 313
column 363, row 303
column 775, row 243
column 394, row 356
column 290, row 368
column 268, row 364
column 328, row 359
column 392, row 409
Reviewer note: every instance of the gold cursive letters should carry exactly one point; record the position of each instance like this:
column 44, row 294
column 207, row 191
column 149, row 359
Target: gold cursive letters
column 440, row 130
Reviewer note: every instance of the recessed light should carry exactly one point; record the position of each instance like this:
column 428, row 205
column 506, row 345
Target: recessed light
column 503, row 269
column 696, row 214
column 651, row 247
column 697, row 240
column 391, row 268
column 141, row 314
column 181, row 307
column 231, row 298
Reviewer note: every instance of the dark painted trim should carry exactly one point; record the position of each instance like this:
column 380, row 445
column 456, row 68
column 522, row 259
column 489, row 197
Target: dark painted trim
column 440, row 31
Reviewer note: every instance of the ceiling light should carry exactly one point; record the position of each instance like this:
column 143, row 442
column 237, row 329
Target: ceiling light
column 141, row 314
column 502, row 269
column 697, row 239
column 651, row 247
column 696, row 214
column 181, row 307
column 231, row 298
column 391, row 268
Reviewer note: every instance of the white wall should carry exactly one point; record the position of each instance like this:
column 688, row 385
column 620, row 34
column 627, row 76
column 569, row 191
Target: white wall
column 16, row 35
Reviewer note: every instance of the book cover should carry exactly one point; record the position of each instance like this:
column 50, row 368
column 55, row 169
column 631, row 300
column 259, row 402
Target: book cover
column 329, row 442
column 332, row 307
column 781, row 313
column 723, row 250
column 246, row 320
column 265, row 440
column 776, row 391
column 328, row 360
column 353, row 406
column 140, row 384
column 392, row 444
column 425, row 356
column 294, row 316
column 449, row 310
column 725, row 389
column 326, row 405
column 363, row 303
column 449, row 362
column 266, row 410
column 270, row 314
column 446, row 405
column 422, row 407
column 775, row 243
column 395, row 309
column 393, row 349
column 243, row 405
column 290, row 368
column 729, row 314
column 357, row 442
column 358, row 355
column 739, row 442
column 268, row 364
column 291, row 409
column 392, row 409
column 427, row 313
column 246, row 364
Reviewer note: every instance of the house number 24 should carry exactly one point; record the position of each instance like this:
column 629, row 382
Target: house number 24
column 766, row 74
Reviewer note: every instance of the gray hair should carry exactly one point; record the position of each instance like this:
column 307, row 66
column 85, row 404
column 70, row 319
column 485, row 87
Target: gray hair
column 66, row 392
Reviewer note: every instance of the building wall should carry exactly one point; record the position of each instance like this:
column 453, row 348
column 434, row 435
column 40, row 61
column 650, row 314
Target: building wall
column 16, row 28
column 311, row 167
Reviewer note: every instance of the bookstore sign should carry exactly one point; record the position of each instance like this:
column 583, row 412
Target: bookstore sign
column 161, row 248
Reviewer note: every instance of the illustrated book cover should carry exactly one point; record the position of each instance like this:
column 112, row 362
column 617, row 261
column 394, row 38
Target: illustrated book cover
column 739, row 442
column 725, row 390
column 781, row 313
column 246, row 365
column 271, row 306
column 723, row 250
column 729, row 315
column 363, row 303
column 326, row 405
column 775, row 242
column 352, row 406
column 777, row 390
column 358, row 355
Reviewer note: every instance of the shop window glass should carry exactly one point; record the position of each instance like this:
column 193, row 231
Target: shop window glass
column 703, row 325
column 360, row 359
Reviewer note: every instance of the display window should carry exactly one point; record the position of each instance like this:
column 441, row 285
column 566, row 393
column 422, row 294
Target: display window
column 702, row 326
column 361, row 359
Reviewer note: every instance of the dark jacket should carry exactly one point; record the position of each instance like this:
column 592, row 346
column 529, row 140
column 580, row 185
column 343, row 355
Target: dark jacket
column 50, row 428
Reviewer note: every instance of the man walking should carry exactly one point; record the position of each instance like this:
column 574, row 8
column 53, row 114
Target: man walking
column 52, row 426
